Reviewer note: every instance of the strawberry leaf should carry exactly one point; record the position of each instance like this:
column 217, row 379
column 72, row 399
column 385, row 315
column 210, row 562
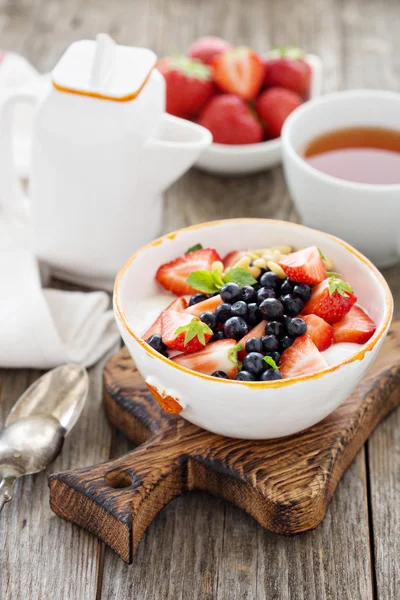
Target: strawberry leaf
column 191, row 67
column 291, row 51
column 233, row 355
column 270, row 361
column 332, row 274
column 195, row 328
column 194, row 248
column 239, row 276
column 203, row 281
column 338, row 285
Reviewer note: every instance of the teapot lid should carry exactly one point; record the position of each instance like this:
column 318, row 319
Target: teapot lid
column 103, row 69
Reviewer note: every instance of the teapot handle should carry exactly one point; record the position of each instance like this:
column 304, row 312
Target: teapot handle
column 14, row 203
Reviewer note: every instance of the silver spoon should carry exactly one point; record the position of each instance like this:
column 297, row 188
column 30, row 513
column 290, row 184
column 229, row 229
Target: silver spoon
column 37, row 425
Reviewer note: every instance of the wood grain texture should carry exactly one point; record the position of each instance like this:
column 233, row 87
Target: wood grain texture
column 33, row 543
column 285, row 484
column 199, row 546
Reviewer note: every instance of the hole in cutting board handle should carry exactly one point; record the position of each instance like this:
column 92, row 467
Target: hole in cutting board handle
column 118, row 479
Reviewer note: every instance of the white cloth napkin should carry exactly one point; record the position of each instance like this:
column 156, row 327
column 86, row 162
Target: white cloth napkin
column 43, row 328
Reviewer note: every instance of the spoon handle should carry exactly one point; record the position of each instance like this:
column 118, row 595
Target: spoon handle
column 6, row 490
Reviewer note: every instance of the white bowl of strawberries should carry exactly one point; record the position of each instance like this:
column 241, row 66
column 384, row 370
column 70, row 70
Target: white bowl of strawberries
column 242, row 97
column 256, row 341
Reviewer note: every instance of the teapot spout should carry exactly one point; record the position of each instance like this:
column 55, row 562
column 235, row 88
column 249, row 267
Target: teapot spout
column 175, row 147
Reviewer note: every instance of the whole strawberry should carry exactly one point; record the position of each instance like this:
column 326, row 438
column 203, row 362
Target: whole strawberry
column 239, row 71
column 231, row 121
column 274, row 106
column 208, row 47
column 189, row 85
column 287, row 68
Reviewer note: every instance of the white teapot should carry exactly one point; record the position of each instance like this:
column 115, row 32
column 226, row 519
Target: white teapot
column 103, row 151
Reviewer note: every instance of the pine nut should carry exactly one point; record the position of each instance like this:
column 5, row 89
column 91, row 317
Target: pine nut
column 276, row 269
column 255, row 271
column 283, row 249
column 260, row 262
column 252, row 255
column 276, row 256
column 244, row 262
column 217, row 266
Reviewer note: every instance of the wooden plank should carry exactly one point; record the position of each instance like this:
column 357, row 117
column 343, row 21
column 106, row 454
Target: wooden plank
column 40, row 555
column 372, row 46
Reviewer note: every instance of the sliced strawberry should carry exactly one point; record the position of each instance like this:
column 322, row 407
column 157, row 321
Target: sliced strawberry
column 319, row 331
column 356, row 327
column 232, row 258
column 208, row 305
column 174, row 329
column 173, row 275
column 179, row 305
column 239, row 71
column 217, row 356
column 304, row 266
column 258, row 331
column 301, row 358
column 331, row 300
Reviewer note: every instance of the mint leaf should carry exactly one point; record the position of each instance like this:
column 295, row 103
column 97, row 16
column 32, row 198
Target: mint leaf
column 233, row 355
column 195, row 328
column 270, row 361
column 202, row 281
column 239, row 276
column 338, row 285
column 217, row 276
column 291, row 51
column 194, row 248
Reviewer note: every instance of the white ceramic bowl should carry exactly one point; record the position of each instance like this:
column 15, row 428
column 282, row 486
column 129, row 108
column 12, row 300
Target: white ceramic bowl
column 256, row 410
column 244, row 159
column 366, row 215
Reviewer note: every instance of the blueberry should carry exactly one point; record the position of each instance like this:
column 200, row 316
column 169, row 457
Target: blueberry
column 270, row 343
column 236, row 328
column 220, row 374
column 274, row 328
column 218, row 335
column 239, row 309
column 287, row 286
column 253, row 345
column 264, row 293
column 254, row 363
column 286, row 342
column 293, row 304
column 248, row 294
column 271, row 309
column 230, row 292
column 275, row 356
column 286, row 320
column 270, row 279
column 223, row 312
column 244, row 376
column 303, row 291
column 297, row 327
column 209, row 319
column 254, row 315
column 196, row 298
column 155, row 341
column 271, row 375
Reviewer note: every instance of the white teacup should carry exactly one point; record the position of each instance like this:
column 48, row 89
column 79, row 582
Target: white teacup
column 366, row 215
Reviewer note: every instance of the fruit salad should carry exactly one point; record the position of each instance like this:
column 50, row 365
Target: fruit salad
column 258, row 314
column 242, row 97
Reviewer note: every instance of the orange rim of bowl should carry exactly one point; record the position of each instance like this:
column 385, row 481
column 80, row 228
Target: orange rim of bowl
column 367, row 347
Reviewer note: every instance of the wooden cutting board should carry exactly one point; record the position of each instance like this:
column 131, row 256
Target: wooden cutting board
column 285, row 484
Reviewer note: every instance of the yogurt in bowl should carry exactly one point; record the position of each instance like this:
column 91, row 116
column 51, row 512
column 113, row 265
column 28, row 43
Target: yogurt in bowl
column 250, row 409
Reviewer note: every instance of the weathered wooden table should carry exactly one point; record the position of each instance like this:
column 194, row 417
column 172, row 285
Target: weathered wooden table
column 200, row 548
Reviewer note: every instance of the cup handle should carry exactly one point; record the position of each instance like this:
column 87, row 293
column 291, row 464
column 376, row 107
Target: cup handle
column 14, row 203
